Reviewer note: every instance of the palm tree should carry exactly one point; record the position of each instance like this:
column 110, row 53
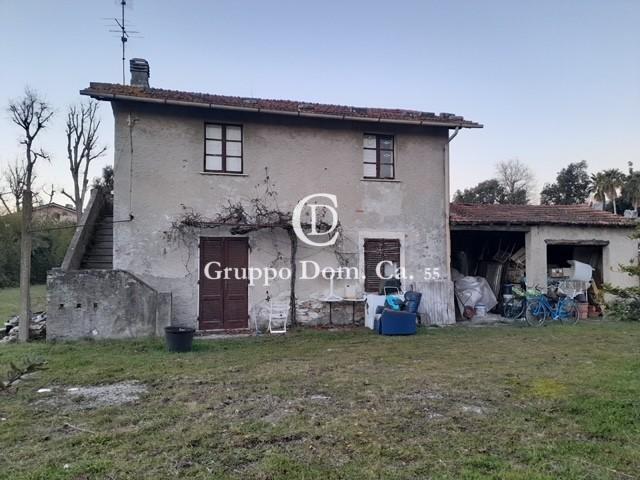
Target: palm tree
column 631, row 187
column 599, row 187
column 612, row 179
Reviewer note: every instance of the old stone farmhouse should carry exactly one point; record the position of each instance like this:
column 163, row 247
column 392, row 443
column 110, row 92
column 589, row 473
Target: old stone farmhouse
column 182, row 155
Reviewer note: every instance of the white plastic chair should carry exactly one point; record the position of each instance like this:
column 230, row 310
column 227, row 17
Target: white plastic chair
column 278, row 317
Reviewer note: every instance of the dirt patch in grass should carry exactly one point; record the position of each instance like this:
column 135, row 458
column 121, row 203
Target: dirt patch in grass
column 68, row 399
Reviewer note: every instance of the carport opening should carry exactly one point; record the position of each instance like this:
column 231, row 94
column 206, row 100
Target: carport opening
column 497, row 255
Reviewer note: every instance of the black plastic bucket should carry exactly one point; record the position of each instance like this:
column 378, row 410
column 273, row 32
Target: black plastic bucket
column 179, row 339
column 507, row 289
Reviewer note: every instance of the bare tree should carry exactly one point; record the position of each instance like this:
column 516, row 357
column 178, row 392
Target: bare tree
column 14, row 177
column 82, row 148
column 47, row 195
column 5, row 194
column 517, row 179
column 32, row 114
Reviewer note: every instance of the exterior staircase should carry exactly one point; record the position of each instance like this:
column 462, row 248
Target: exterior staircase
column 91, row 247
column 99, row 253
column 87, row 298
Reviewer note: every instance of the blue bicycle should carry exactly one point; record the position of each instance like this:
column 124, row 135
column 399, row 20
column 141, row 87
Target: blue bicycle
column 563, row 309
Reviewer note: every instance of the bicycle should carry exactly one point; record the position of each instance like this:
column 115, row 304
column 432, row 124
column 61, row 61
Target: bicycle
column 540, row 308
column 516, row 307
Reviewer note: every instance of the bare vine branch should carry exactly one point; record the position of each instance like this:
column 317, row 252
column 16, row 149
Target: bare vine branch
column 261, row 212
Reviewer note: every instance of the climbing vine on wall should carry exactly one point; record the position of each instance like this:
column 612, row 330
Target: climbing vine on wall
column 259, row 213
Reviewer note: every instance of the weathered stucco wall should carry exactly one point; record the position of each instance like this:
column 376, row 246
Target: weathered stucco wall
column 621, row 250
column 103, row 304
column 159, row 167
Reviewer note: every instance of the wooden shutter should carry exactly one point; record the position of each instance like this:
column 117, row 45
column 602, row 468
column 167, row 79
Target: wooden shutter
column 377, row 250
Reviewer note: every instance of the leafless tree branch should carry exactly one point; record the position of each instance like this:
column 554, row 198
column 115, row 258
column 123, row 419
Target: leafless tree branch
column 81, row 128
column 15, row 176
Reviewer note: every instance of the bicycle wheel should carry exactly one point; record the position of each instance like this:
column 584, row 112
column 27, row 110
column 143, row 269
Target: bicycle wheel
column 514, row 309
column 536, row 314
column 569, row 312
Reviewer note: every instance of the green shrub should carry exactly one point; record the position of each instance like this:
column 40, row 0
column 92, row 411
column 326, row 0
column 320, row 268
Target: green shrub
column 50, row 241
column 626, row 304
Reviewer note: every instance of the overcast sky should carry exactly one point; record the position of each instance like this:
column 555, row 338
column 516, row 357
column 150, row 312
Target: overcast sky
column 552, row 81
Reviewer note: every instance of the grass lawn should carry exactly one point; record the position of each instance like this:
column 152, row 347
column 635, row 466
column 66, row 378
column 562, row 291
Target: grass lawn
column 500, row 403
column 10, row 301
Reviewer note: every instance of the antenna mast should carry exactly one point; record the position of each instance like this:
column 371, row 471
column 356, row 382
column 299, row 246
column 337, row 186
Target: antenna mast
column 124, row 36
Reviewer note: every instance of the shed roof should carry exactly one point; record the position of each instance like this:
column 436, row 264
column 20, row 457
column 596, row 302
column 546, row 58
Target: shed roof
column 480, row 214
column 113, row 92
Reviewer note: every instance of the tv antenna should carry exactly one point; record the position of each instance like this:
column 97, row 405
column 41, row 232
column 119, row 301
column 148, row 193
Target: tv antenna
column 122, row 28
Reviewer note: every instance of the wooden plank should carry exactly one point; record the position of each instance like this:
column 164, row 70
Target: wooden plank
column 588, row 243
column 437, row 301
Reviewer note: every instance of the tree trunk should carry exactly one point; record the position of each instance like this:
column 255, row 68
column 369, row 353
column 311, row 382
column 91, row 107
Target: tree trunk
column 25, row 268
column 78, row 201
column 613, row 200
column 293, row 239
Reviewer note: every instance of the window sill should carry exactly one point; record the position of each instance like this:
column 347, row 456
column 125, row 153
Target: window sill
column 226, row 174
column 383, row 180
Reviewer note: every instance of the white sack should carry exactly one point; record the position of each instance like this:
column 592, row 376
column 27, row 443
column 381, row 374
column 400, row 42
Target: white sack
column 471, row 291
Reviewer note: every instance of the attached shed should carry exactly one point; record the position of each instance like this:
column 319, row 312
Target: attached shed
column 544, row 237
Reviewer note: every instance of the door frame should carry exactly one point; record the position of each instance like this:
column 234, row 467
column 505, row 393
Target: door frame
column 197, row 262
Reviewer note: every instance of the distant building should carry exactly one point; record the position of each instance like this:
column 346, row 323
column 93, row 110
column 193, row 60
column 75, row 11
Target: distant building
column 55, row 212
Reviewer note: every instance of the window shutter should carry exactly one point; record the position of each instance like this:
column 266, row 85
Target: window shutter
column 377, row 250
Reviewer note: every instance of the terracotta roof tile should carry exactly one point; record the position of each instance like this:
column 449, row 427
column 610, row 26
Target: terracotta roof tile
column 478, row 214
column 111, row 91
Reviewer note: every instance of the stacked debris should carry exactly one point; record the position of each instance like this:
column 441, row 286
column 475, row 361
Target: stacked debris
column 37, row 328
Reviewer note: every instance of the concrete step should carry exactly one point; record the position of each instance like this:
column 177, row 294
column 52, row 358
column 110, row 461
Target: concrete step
column 103, row 244
column 97, row 266
column 100, row 250
column 102, row 256
column 102, row 237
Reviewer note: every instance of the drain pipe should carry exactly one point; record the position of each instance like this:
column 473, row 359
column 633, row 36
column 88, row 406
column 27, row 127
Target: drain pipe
column 447, row 200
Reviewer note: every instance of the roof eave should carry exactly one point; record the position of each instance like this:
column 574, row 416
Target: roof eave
column 110, row 97
column 477, row 223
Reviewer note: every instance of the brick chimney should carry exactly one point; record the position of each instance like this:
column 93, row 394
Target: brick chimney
column 139, row 69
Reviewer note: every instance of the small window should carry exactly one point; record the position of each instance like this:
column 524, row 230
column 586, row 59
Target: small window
column 378, row 157
column 223, row 148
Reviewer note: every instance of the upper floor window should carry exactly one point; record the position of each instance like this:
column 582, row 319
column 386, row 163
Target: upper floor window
column 223, row 148
column 378, row 156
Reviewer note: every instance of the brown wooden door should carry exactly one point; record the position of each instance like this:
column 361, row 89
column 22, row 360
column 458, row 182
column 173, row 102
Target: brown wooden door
column 224, row 303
